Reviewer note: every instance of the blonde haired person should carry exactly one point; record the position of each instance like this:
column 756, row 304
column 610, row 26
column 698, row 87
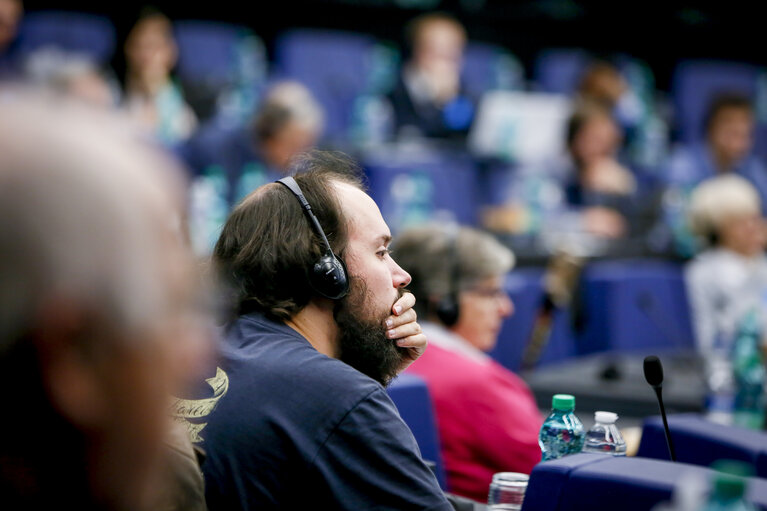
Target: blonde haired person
column 729, row 278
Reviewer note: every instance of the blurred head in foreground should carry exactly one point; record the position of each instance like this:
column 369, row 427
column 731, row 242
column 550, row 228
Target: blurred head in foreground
column 462, row 265
column 726, row 211
column 93, row 306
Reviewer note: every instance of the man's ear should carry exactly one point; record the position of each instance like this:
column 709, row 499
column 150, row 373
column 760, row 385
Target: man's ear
column 70, row 374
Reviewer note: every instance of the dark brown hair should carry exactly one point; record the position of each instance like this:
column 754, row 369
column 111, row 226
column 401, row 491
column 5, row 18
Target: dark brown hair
column 724, row 101
column 268, row 245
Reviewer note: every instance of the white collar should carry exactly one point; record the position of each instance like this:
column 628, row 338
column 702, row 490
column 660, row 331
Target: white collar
column 445, row 339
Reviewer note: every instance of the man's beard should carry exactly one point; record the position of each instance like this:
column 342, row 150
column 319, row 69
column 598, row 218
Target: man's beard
column 362, row 337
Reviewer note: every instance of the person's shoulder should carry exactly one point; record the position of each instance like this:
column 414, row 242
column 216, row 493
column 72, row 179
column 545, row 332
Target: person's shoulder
column 279, row 351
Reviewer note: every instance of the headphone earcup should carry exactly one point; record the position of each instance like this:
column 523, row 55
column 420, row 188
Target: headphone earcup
column 328, row 277
column 448, row 310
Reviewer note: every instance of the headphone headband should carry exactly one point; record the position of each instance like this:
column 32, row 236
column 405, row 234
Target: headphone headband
column 328, row 275
column 292, row 185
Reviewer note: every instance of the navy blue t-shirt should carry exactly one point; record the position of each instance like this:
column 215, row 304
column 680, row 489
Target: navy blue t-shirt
column 290, row 428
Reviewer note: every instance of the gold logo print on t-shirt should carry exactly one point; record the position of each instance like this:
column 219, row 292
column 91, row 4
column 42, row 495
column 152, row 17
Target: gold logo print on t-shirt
column 185, row 409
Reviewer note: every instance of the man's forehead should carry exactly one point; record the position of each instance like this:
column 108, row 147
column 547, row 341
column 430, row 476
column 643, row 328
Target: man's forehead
column 362, row 213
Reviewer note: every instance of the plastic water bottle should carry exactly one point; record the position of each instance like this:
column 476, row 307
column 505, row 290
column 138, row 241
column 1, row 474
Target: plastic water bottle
column 562, row 432
column 749, row 373
column 604, row 437
column 729, row 487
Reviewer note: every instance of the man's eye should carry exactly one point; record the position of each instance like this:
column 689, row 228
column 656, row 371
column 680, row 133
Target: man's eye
column 382, row 253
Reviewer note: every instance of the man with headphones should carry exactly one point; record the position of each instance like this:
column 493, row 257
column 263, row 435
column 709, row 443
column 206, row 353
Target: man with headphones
column 298, row 417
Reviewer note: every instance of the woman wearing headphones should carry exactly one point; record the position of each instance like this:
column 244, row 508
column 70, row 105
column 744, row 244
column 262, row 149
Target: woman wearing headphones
column 487, row 417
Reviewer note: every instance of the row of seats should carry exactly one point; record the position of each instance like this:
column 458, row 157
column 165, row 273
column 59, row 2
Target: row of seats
column 594, row 481
column 340, row 66
column 649, row 477
column 620, row 306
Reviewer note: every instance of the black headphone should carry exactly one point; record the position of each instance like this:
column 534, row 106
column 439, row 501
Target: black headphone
column 327, row 276
column 447, row 308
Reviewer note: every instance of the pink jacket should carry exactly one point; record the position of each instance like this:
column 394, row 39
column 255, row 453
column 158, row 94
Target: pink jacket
column 487, row 417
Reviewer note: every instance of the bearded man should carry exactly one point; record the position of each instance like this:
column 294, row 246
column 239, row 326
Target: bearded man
column 299, row 418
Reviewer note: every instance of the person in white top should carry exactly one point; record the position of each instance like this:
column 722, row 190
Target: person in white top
column 729, row 279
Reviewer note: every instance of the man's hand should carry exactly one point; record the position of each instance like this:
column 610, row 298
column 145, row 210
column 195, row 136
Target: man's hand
column 403, row 327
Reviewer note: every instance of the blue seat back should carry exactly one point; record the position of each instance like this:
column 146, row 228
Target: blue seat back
column 595, row 481
column 634, row 306
column 86, row 34
column 415, row 189
column 558, row 70
column 208, row 49
column 525, row 288
column 338, row 67
column 697, row 82
column 411, row 395
column 701, row 442
column 490, row 67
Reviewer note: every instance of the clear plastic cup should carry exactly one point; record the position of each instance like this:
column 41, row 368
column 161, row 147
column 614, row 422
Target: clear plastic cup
column 507, row 491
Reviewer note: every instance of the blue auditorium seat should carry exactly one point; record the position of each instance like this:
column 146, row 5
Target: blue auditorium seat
column 222, row 67
column 525, row 288
column 696, row 82
column 74, row 32
column 411, row 395
column 338, row 67
column 414, row 188
column 559, row 70
column 701, row 442
column 209, row 49
column 490, row 67
column 595, row 481
column 634, row 305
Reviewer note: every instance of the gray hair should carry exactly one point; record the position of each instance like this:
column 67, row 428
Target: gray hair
column 83, row 216
column 288, row 102
column 719, row 198
column 435, row 256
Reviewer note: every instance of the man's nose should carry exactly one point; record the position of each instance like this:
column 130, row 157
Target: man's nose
column 400, row 278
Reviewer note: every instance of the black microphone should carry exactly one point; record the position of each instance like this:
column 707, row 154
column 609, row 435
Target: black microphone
column 653, row 373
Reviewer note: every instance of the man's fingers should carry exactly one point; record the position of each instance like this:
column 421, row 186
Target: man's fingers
column 409, row 316
column 406, row 330
column 404, row 303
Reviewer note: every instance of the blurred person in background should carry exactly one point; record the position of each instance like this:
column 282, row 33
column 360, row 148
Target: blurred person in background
column 152, row 97
column 289, row 122
column 72, row 75
column 487, row 417
column 96, row 319
column 229, row 164
column 632, row 104
column 587, row 190
column 11, row 12
column 429, row 99
column 729, row 278
column 726, row 149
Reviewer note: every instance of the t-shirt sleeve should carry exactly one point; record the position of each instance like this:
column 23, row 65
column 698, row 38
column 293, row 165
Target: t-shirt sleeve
column 371, row 461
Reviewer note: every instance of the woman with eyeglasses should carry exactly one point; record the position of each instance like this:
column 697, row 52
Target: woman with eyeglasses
column 487, row 417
